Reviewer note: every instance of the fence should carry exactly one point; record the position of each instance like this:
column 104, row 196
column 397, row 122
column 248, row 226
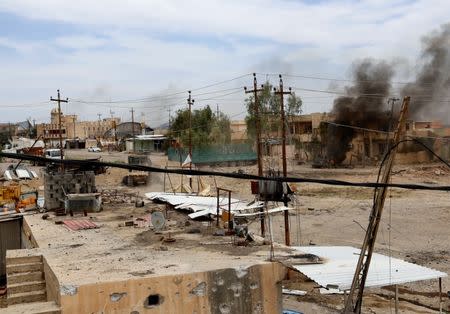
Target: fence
column 240, row 153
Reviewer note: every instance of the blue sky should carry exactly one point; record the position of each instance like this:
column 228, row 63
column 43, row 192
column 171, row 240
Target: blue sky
column 118, row 50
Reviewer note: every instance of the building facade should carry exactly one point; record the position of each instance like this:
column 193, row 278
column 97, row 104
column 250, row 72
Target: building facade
column 71, row 128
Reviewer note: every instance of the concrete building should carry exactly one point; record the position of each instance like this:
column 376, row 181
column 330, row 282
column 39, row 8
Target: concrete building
column 72, row 128
column 367, row 147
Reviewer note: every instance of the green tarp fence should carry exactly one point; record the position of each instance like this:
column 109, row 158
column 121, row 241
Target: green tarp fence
column 214, row 154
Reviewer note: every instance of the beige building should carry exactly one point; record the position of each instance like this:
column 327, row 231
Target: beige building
column 238, row 131
column 71, row 128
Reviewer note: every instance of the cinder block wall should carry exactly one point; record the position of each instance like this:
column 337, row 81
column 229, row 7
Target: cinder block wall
column 56, row 185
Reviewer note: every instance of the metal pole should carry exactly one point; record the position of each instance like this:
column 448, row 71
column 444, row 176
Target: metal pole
column 217, row 213
column 440, row 295
column 190, row 102
column 396, row 299
column 229, row 210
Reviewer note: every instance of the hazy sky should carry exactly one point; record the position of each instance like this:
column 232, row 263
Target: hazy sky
column 147, row 51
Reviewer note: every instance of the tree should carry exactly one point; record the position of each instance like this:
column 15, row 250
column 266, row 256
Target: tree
column 269, row 110
column 207, row 128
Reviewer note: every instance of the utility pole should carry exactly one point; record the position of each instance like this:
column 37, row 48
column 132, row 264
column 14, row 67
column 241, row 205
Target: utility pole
column 99, row 132
column 132, row 129
column 255, row 91
column 217, row 111
column 113, row 125
column 354, row 300
column 281, row 92
column 190, row 103
column 170, row 111
column 59, row 100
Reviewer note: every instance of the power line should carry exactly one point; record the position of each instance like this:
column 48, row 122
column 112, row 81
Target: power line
column 410, row 186
column 321, row 78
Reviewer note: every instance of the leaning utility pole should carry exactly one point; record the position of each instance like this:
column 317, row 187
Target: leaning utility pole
column 190, row 103
column 258, row 136
column 59, row 100
column 132, row 129
column 281, row 92
column 354, row 300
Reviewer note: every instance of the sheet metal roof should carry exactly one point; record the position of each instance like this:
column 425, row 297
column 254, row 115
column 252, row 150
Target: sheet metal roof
column 340, row 264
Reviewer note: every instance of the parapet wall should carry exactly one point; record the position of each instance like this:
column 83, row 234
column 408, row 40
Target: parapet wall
column 255, row 290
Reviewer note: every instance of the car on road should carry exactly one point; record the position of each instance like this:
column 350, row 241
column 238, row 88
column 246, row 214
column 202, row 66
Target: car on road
column 94, row 149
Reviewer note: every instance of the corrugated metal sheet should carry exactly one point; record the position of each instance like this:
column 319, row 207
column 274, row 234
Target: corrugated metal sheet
column 23, row 174
column 193, row 203
column 340, row 263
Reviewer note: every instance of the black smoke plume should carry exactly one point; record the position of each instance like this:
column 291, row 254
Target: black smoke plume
column 431, row 90
column 364, row 105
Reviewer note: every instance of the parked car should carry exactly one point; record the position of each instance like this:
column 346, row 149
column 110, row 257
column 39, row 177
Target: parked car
column 94, row 149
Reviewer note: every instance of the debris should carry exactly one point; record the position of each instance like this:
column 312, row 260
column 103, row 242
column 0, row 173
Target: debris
column 294, row 292
column 219, row 232
column 330, row 291
column 256, row 239
column 129, row 223
column 45, row 216
column 142, row 222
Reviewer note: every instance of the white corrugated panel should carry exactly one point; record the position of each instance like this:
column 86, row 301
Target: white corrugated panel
column 340, row 263
column 202, row 205
column 23, row 174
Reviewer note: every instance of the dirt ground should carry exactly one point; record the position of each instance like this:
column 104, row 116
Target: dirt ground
column 414, row 227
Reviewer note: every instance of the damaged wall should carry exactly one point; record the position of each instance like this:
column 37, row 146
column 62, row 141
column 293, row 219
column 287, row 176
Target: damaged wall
column 57, row 184
column 256, row 289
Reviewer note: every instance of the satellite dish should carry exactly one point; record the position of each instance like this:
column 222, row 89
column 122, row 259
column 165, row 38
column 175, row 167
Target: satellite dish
column 158, row 220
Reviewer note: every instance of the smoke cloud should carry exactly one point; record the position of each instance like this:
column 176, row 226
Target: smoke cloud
column 363, row 106
column 431, row 90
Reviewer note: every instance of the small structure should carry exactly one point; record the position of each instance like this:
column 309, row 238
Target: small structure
column 146, row 143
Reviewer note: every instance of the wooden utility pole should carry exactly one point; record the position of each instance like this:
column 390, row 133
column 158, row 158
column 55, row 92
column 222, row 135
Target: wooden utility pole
column 59, row 100
column 255, row 91
column 132, row 129
column 190, row 103
column 170, row 111
column 281, row 92
column 99, row 132
column 354, row 300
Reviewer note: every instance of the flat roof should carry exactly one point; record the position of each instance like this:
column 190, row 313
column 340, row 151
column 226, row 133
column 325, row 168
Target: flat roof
column 114, row 252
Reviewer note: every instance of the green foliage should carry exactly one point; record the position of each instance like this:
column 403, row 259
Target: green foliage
column 269, row 110
column 207, row 128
